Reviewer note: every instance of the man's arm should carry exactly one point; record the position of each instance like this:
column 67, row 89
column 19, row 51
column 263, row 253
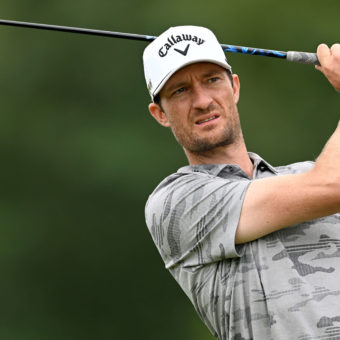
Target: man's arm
column 273, row 203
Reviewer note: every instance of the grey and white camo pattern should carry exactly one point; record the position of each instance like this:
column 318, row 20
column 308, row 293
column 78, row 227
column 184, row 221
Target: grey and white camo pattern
column 282, row 286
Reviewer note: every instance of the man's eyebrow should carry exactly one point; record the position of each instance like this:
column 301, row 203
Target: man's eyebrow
column 213, row 73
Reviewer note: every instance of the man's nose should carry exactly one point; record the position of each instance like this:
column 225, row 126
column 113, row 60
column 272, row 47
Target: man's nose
column 201, row 98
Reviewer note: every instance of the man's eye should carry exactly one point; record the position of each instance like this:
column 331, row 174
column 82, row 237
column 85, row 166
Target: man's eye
column 180, row 90
column 213, row 79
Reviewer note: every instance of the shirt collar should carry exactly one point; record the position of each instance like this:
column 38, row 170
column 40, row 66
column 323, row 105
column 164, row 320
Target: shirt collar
column 216, row 169
column 260, row 162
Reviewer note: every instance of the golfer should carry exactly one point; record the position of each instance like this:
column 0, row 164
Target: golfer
column 256, row 248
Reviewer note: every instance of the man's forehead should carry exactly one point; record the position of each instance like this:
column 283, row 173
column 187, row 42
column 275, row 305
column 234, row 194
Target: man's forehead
column 198, row 69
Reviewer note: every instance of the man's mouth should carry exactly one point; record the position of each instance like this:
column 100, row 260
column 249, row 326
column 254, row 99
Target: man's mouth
column 202, row 121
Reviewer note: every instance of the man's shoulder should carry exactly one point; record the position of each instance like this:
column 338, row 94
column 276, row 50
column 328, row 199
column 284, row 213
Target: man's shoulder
column 193, row 175
column 164, row 197
column 193, row 184
column 295, row 168
column 178, row 180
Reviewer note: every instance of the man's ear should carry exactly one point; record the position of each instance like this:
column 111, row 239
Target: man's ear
column 236, row 87
column 158, row 114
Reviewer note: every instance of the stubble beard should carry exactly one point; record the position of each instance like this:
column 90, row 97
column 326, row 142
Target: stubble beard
column 230, row 134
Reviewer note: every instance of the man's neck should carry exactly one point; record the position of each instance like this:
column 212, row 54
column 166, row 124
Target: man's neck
column 229, row 154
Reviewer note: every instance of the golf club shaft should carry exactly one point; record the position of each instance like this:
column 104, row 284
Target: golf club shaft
column 299, row 57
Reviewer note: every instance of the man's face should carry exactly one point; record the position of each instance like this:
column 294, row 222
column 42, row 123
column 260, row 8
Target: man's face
column 199, row 104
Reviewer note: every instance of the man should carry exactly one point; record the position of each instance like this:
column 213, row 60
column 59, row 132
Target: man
column 256, row 248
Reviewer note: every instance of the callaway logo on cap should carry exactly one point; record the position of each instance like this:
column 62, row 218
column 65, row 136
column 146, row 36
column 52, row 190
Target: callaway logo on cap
column 178, row 47
column 173, row 40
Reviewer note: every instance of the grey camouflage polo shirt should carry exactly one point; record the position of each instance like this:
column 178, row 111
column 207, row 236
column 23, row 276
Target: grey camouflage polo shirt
column 285, row 285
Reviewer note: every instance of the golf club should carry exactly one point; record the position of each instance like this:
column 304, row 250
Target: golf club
column 293, row 56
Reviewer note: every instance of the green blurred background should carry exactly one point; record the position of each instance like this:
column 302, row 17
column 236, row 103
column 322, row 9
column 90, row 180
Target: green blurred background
column 80, row 154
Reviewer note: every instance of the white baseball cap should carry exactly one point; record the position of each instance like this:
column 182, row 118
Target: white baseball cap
column 178, row 47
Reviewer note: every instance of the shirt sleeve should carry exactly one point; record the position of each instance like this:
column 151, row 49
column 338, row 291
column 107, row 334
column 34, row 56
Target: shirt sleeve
column 193, row 218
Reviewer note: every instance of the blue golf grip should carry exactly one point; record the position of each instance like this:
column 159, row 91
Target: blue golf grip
column 303, row 57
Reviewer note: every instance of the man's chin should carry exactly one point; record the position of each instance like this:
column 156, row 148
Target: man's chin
column 202, row 146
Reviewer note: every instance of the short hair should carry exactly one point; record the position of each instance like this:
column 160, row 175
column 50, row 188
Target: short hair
column 157, row 98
